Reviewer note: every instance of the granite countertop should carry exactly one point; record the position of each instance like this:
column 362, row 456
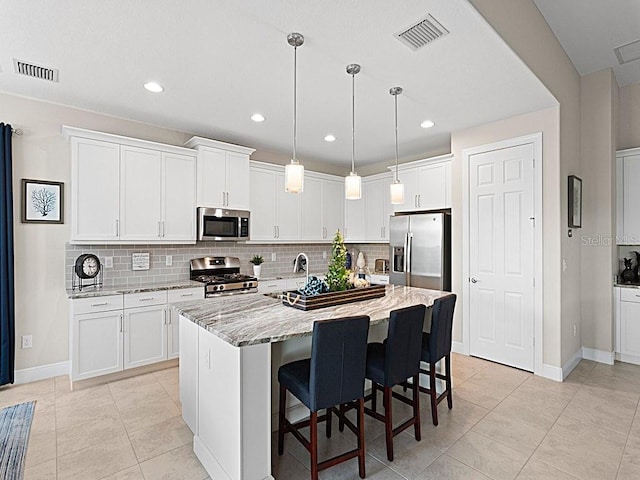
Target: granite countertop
column 250, row 319
column 120, row 289
column 627, row 285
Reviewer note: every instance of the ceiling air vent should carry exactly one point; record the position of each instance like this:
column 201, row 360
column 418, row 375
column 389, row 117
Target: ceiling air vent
column 420, row 34
column 628, row 53
column 35, row 71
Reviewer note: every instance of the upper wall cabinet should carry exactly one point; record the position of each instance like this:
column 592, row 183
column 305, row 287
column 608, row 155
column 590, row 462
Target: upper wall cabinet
column 278, row 216
column 125, row 190
column 628, row 196
column 223, row 173
column 427, row 184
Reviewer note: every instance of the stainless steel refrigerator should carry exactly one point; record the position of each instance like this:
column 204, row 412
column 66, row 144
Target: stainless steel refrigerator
column 420, row 250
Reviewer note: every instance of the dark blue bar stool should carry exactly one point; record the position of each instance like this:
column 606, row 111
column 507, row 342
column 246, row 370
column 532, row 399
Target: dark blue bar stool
column 436, row 345
column 392, row 363
column 334, row 375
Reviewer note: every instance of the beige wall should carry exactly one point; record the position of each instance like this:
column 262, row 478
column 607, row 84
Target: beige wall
column 598, row 92
column 547, row 122
column 524, row 29
column 629, row 131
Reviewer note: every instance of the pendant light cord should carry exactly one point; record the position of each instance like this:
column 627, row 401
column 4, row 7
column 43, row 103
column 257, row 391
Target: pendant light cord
column 353, row 122
column 295, row 111
column 396, row 121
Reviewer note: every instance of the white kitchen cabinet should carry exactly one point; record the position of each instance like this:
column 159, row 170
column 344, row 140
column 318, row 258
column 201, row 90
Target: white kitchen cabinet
column 628, row 325
column 96, row 337
column 427, row 184
column 125, row 190
column 322, row 207
column 95, row 198
column 377, row 207
column 263, row 204
column 145, row 335
column 223, row 173
column 289, row 212
column 628, row 231
column 116, row 332
column 271, row 286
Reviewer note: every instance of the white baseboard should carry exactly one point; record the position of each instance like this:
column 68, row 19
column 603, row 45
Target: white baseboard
column 598, row 355
column 42, row 372
column 458, row 347
column 551, row 372
column 568, row 367
column 625, row 357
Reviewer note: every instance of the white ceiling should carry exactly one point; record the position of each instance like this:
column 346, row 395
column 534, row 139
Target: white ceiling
column 590, row 30
column 220, row 61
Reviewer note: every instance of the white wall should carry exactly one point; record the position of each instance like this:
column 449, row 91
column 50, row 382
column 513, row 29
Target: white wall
column 524, row 29
column 598, row 119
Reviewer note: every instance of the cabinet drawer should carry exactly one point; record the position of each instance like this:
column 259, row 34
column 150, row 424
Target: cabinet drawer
column 185, row 294
column 268, row 286
column 144, row 299
column 630, row 294
column 97, row 304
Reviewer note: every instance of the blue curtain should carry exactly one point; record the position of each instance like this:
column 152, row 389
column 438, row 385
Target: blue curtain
column 7, row 306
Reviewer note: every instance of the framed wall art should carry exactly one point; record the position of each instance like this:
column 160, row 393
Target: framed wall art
column 575, row 202
column 42, row 201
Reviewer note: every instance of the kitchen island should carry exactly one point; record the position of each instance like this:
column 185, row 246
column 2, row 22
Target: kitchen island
column 226, row 370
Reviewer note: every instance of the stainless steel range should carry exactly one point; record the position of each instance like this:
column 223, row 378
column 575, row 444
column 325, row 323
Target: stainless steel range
column 221, row 276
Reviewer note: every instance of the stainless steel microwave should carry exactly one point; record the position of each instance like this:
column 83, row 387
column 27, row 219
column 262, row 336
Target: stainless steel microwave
column 222, row 224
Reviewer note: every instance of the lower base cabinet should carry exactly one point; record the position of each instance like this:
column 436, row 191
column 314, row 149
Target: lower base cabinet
column 627, row 324
column 115, row 332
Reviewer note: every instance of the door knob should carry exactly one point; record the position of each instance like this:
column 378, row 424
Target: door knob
column 473, row 280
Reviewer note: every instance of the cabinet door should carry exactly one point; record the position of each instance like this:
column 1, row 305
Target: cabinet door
column 354, row 220
column 433, row 187
column 140, row 194
column 97, row 344
column 289, row 212
column 409, row 178
column 630, row 328
column 312, row 209
column 263, row 204
column 145, row 336
column 238, row 189
column 374, row 198
column 333, row 208
column 95, row 180
column 178, row 198
column 173, row 334
column 212, row 165
column 631, row 199
column 189, row 372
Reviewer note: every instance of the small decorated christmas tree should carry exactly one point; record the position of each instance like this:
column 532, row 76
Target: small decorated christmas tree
column 338, row 276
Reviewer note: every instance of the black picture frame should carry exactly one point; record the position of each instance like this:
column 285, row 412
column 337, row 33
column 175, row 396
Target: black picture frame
column 575, row 202
column 42, row 201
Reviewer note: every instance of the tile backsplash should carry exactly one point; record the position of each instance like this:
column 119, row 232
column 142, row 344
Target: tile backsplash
column 159, row 271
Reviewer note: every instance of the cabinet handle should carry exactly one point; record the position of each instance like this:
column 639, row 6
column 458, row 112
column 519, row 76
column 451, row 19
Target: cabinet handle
column 227, row 199
column 146, row 299
column 117, row 228
column 121, row 322
column 164, row 316
column 419, row 199
column 104, row 303
column 159, row 233
column 163, row 229
column 415, row 201
column 274, row 232
column 278, row 230
column 186, row 294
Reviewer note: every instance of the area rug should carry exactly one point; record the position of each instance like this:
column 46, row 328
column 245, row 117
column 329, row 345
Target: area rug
column 15, row 424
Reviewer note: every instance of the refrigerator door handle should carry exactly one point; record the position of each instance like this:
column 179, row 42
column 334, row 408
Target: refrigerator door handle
column 407, row 258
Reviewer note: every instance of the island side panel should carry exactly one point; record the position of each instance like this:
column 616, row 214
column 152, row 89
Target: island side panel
column 233, row 440
column 189, row 372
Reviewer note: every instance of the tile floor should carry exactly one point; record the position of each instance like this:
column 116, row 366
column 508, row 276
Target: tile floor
column 505, row 424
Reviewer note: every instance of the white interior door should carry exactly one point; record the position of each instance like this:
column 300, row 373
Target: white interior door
column 501, row 255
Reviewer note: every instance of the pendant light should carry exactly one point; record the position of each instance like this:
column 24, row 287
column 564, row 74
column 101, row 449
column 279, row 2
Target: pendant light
column 294, row 172
column 353, row 183
column 396, row 188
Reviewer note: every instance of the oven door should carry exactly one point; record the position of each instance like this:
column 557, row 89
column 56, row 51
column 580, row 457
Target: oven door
column 222, row 224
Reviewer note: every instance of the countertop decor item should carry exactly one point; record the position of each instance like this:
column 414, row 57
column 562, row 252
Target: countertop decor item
column 338, row 276
column 257, row 261
column 575, row 202
column 42, row 201
column 87, row 267
column 313, row 302
column 628, row 275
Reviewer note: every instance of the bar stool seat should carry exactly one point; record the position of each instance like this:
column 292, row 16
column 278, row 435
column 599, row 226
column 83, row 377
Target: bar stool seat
column 334, row 375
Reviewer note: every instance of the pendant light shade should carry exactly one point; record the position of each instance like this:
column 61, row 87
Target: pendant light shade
column 396, row 189
column 353, row 183
column 294, row 172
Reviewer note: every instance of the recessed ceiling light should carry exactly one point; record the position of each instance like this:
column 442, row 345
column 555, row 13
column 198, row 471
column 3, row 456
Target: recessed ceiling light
column 256, row 117
column 427, row 124
column 329, row 138
column 154, row 87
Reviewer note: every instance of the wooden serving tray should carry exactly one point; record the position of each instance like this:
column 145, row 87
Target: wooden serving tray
column 312, row 302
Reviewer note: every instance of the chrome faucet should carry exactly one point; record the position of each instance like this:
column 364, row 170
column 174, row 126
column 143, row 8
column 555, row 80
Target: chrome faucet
column 297, row 266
